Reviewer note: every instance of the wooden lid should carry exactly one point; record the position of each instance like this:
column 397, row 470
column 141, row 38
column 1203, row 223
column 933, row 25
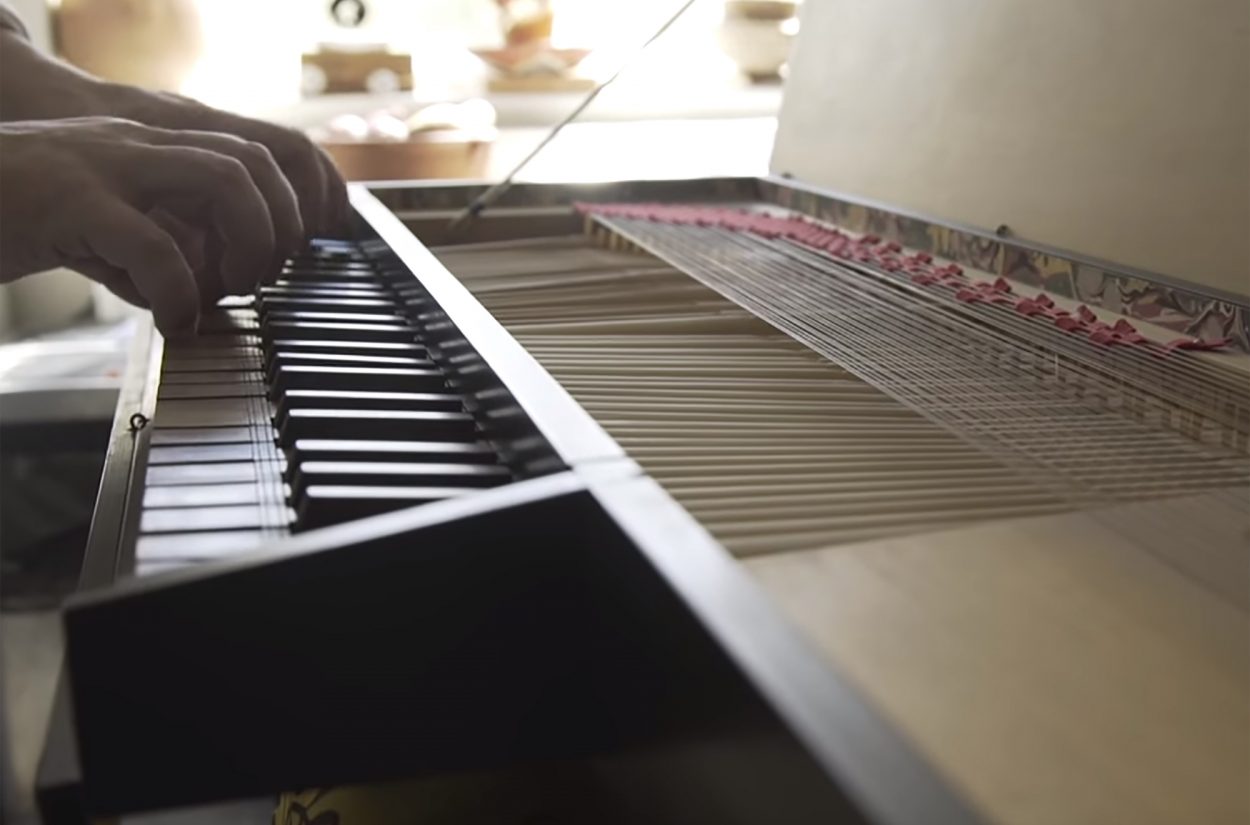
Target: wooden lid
column 1114, row 130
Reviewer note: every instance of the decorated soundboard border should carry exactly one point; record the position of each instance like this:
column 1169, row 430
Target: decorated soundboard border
column 1139, row 295
column 1151, row 297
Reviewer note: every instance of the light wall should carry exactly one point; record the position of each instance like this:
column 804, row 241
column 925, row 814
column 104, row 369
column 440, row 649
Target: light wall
column 1115, row 128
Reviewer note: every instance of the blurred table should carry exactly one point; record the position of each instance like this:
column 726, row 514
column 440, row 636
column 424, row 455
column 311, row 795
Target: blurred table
column 582, row 153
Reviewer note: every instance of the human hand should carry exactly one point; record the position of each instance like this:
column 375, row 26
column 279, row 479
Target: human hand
column 113, row 198
column 318, row 185
column 34, row 86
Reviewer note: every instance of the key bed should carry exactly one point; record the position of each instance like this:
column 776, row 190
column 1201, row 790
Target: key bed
column 313, row 402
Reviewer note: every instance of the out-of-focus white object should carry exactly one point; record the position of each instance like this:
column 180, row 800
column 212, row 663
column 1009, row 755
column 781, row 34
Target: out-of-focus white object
column 250, row 60
column 313, row 79
column 46, row 301
column 400, row 123
column 382, row 81
column 109, row 308
column 385, row 126
column 35, row 17
column 346, row 127
column 471, row 116
column 756, row 35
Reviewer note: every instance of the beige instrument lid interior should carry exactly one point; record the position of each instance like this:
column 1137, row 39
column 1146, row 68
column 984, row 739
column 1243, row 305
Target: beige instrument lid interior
column 1053, row 669
column 1117, row 129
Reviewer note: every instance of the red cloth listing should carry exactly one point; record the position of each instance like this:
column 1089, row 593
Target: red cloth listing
column 889, row 256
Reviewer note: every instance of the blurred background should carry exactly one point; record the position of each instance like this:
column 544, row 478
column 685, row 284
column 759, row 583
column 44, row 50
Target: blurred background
column 396, row 89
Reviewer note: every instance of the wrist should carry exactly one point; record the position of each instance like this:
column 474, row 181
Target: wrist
column 34, row 86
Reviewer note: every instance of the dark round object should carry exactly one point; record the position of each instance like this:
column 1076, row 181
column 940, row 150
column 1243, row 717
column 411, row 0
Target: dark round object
column 349, row 13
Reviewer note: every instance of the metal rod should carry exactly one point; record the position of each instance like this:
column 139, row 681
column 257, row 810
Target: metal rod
column 484, row 200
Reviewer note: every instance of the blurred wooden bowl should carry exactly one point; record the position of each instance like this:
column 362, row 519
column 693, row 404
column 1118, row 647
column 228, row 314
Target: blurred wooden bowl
column 436, row 154
column 532, row 58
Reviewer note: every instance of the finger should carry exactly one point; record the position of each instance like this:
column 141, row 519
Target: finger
column 300, row 161
column 308, row 169
column 125, row 239
column 201, row 252
column 304, row 165
column 337, row 207
column 280, row 199
column 178, row 177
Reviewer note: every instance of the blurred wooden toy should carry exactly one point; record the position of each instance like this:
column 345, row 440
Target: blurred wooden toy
column 333, row 69
column 352, row 59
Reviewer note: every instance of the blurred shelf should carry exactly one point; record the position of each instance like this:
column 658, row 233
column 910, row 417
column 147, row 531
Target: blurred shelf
column 540, row 109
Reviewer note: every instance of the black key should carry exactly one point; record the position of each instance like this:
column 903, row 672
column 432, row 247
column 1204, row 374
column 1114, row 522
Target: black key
column 327, row 246
column 396, row 474
column 320, row 506
column 410, row 289
column 363, row 400
column 416, row 425
column 339, row 332
column 356, row 263
column 347, row 347
column 314, row 268
column 338, row 256
column 336, row 359
column 396, row 349
column 418, row 303
column 334, row 275
column 297, row 302
column 322, row 449
column 285, row 289
column 385, row 379
column 344, row 317
column 332, row 249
